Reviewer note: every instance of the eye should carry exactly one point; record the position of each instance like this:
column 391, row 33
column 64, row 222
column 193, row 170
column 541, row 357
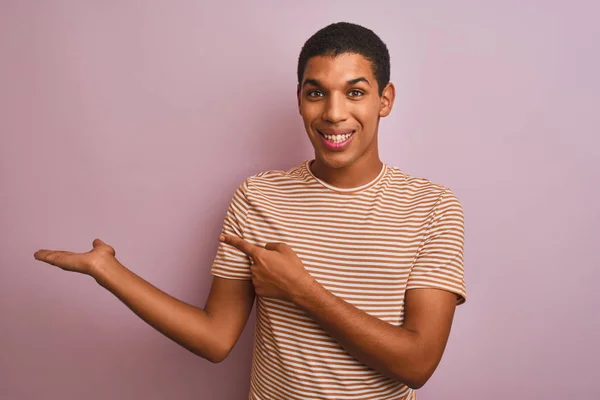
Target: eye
column 315, row 93
column 355, row 93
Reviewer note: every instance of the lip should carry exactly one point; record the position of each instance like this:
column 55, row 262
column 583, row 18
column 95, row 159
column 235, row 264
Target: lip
column 336, row 146
column 335, row 131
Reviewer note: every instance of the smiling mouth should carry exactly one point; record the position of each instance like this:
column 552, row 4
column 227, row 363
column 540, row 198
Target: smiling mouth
column 336, row 140
column 337, row 137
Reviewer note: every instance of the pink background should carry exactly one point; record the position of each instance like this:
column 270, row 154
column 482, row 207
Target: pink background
column 134, row 121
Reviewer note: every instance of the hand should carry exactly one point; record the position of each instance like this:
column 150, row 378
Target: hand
column 84, row 263
column 276, row 269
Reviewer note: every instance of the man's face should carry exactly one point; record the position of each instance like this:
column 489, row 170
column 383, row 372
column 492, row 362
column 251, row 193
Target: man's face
column 340, row 104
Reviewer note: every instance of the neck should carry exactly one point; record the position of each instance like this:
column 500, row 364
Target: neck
column 359, row 173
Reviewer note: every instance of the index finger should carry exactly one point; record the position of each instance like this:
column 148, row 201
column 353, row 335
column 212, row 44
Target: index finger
column 247, row 248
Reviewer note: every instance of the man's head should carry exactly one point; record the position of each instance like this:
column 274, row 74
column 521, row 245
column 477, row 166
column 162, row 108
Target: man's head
column 344, row 37
column 343, row 91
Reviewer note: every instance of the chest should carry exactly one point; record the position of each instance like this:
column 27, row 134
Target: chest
column 360, row 250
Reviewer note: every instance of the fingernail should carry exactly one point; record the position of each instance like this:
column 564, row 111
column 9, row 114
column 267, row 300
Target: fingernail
column 221, row 238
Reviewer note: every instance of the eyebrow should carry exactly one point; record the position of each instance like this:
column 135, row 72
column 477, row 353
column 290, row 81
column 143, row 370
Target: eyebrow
column 351, row 82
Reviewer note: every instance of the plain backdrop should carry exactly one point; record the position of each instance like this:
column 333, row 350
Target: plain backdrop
column 134, row 122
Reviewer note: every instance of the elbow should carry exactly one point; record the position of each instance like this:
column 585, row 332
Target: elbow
column 415, row 378
column 417, row 382
column 216, row 359
column 219, row 355
column 215, row 355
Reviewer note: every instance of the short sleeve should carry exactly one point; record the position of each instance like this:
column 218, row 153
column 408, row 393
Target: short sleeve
column 230, row 262
column 439, row 261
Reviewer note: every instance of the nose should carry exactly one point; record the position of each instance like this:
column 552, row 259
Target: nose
column 335, row 110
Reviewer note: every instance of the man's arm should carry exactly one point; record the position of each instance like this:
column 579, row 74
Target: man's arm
column 408, row 353
column 210, row 332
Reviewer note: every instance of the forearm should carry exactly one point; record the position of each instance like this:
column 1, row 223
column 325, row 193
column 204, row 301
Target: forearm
column 394, row 351
column 185, row 324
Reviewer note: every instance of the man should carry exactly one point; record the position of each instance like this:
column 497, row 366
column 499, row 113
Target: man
column 356, row 266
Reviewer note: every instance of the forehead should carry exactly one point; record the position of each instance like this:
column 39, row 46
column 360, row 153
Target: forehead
column 336, row 70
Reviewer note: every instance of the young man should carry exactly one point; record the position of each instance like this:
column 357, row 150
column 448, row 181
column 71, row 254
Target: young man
column 356, row 266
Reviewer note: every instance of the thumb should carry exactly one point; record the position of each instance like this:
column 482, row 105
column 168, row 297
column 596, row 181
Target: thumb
column 100, row 245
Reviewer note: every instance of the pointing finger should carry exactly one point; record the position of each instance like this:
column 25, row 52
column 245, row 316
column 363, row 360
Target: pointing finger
column 248, row 248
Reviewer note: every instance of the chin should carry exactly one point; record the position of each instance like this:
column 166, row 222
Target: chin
column 336, row 161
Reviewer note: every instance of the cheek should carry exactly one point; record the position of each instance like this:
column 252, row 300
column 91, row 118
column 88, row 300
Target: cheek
column 309, row 114
column 367, row 116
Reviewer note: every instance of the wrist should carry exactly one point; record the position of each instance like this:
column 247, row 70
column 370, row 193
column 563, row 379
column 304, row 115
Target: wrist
column 303, row 290
column 103, row 268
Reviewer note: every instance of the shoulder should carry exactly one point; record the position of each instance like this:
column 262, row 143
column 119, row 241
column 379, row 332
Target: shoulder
column 420, row 189
column 272, row 182
column 276, row 179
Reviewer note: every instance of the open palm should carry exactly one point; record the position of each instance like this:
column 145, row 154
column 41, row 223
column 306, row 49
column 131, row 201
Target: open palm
column 84, row 263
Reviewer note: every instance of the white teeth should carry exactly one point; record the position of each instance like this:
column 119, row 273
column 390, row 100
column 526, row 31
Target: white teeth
column 337, row 138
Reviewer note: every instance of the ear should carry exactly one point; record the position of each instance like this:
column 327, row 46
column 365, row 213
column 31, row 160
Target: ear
column 299, row 97
column 387, row 100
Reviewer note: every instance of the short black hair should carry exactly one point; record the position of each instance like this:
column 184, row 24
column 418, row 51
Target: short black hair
column 345, row 37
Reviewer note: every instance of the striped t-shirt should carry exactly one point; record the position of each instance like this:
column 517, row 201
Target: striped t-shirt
column 366, row 245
